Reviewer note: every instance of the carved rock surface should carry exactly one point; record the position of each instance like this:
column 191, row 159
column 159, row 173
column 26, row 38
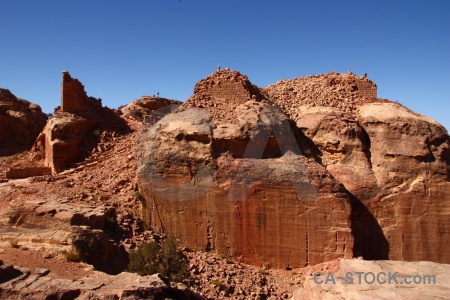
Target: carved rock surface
column 20, row 123
column 241, row 186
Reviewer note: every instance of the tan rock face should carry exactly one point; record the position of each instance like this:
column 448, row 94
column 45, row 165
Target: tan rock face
column 23, row 283
column 20, row 123
column 242, row 188
column 410, row 157
column 394, row 286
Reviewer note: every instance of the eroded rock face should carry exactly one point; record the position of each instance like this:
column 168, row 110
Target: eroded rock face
column 392, row 159
column 237, row 151
column 410, row 158
column 241, row 186
column 20, row 123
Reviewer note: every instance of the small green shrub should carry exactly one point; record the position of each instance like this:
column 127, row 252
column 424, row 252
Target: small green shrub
column 97, row 133
column 188, row 249
column 137, row 195
column 164, row 258
column 72, row 254
column 307, row 152
column 110, row 224
column 145, row 226
column 262, row 271
column 223, row 256
column 217, row 283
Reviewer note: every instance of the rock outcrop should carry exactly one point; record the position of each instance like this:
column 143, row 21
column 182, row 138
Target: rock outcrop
column 23, row 283
column 394, row 160
column 226, row 174
column 221, row 171
column 378, row 280
column 55, row 225
column 20, row 123
column 144, row 106
column 75, row 128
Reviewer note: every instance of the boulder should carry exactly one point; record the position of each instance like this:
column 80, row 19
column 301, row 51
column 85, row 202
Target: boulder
column 410, row 158
column 378, row 280
column 145, row 105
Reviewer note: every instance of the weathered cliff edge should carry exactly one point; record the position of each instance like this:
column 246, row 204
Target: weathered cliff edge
column 294, row 174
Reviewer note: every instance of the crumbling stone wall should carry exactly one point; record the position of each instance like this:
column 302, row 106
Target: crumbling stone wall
column 27, row 172
column 366, row 88
column 73, row 96
column 221, row 92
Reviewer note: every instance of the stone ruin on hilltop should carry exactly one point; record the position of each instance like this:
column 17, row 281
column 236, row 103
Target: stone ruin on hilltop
column 221, row 92
column 75, row 128
column 73, row 96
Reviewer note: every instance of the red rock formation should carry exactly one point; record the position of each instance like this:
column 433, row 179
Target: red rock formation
column 263, row 203
column 397, row 162
column 341, row 91
column 221, row 92
column 75, row 128
column 20, row 123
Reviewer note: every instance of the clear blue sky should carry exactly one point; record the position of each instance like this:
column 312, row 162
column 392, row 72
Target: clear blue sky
column 122, row 50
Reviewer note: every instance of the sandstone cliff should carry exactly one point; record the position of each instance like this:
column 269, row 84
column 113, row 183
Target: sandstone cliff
column 231, row 178
column 229, row 171
column 394, row 160
column 20, row 123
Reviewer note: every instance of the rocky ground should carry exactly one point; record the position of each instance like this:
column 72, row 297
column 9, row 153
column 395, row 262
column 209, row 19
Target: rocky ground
column 106, row 179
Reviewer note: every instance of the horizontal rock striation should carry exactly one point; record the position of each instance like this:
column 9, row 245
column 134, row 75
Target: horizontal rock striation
column 240, row 186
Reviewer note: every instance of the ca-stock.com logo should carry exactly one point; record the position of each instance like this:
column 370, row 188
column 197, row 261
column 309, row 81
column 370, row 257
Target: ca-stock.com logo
column 197, row 121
